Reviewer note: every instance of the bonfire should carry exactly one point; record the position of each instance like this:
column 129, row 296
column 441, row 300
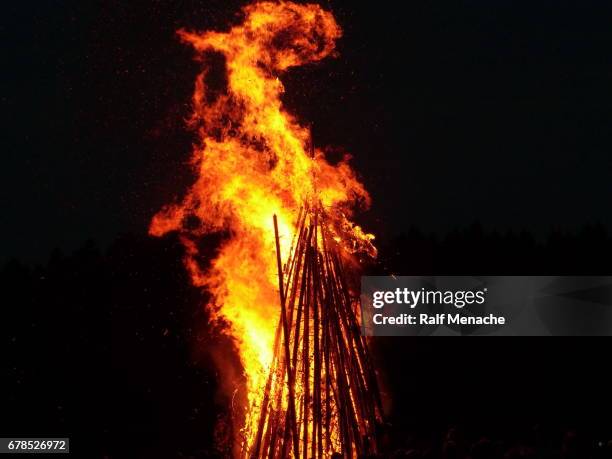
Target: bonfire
column 283, row 290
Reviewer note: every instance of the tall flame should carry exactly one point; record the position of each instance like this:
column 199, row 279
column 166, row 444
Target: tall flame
column 255, row 160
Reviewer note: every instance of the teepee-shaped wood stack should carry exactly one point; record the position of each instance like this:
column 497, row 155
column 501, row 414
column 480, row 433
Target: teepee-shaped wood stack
column 321, row 395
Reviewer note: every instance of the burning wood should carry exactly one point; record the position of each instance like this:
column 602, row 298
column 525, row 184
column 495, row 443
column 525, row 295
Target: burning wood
column 321, row 395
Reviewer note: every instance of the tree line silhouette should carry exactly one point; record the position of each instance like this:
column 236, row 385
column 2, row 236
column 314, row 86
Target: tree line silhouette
column 113, row 349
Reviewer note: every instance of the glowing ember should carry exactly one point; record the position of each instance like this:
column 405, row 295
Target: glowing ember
column 254, row 160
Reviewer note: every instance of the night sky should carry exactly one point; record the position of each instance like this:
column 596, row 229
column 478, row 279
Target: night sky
column 455, row 112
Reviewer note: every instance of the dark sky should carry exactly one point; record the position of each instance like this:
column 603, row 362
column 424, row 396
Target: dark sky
column 454, row 111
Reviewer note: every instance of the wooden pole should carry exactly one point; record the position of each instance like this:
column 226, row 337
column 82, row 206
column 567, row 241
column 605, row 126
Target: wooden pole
column 286, row 339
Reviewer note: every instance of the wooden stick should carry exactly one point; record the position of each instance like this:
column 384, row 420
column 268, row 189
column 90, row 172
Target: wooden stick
column 286, row 338
column 316, row 411
column 305, row 357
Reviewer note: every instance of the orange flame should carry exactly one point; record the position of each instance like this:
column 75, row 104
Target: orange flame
column 254, row 160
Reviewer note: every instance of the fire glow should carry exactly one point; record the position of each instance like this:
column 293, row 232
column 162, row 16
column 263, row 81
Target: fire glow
column 254, row 160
